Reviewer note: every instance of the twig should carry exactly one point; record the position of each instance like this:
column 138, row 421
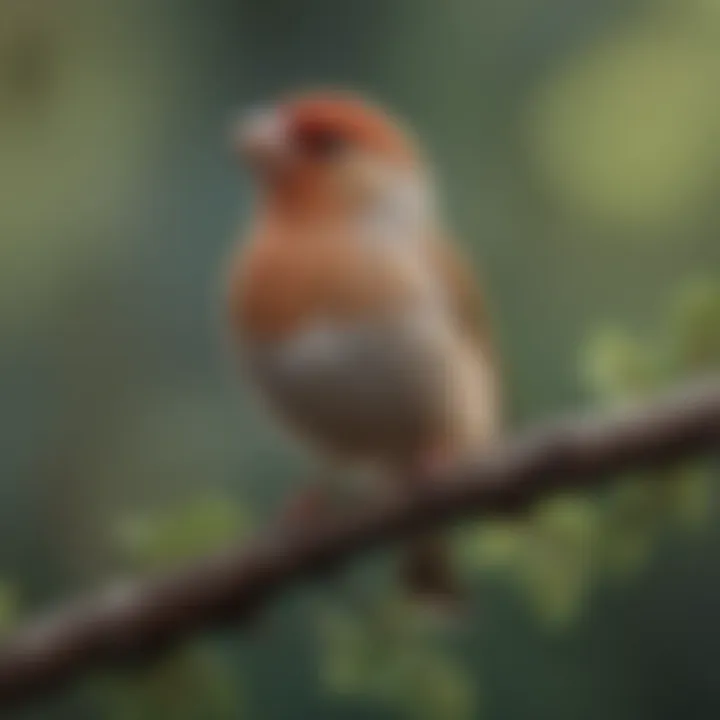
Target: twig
column 136, row 621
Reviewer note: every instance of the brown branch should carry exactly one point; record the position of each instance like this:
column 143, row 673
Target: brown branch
column 134, row 622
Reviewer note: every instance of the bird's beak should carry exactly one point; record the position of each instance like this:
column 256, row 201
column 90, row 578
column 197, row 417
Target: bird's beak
column 261, row 139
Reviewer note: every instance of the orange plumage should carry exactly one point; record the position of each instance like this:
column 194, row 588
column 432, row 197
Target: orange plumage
column 352, row 308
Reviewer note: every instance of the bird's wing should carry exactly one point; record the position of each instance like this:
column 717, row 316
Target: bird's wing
column 462, row 291
column 469, row 310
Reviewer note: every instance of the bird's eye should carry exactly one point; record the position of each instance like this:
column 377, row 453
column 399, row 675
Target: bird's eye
column 322, row 143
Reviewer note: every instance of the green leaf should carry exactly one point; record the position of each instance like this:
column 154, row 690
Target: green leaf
column 492, row 545
column 192, row 684
column 694, row 327
column 344, row 666
column 617, row 367
column 556, row 566
column 434, row 687
column 386, row 655
column 630, row 524
column 688, row 495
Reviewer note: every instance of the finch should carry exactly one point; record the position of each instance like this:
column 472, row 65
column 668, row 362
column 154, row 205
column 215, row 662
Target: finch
column 351, row 306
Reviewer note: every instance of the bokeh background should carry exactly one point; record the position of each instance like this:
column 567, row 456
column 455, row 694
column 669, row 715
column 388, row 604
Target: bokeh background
column 578, row 145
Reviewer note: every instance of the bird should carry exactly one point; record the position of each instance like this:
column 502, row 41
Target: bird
column 352, row 308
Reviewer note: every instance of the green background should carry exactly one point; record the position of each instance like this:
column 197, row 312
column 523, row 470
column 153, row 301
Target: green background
column 577, row 143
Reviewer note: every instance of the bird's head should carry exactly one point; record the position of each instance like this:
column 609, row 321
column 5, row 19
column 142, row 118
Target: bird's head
column 331, row 151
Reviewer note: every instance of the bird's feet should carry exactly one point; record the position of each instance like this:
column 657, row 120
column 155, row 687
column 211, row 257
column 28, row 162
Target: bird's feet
column 427, row 468
column 306, row 508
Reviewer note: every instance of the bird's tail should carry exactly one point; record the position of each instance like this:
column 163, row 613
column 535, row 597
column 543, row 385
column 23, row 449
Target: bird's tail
column 428, row 574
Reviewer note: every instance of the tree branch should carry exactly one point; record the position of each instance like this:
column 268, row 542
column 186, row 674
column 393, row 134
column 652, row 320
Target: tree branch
column 134, row 622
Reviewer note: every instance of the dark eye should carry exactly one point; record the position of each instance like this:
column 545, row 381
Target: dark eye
column 322, row 142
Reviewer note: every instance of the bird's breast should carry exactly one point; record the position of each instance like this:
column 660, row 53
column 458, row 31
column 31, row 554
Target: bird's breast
column 368, row 388
column 285, row 281
column 347, row 338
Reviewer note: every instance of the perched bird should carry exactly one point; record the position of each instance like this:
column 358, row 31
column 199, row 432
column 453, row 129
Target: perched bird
column 354, row 312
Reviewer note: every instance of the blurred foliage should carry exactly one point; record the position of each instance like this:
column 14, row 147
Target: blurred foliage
column 389, row 654
column 198, row 681
column 627, row 132
column 192, row 684
column 61, row 179
column 194, row 530
column 567, row 544
column 621, row 365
